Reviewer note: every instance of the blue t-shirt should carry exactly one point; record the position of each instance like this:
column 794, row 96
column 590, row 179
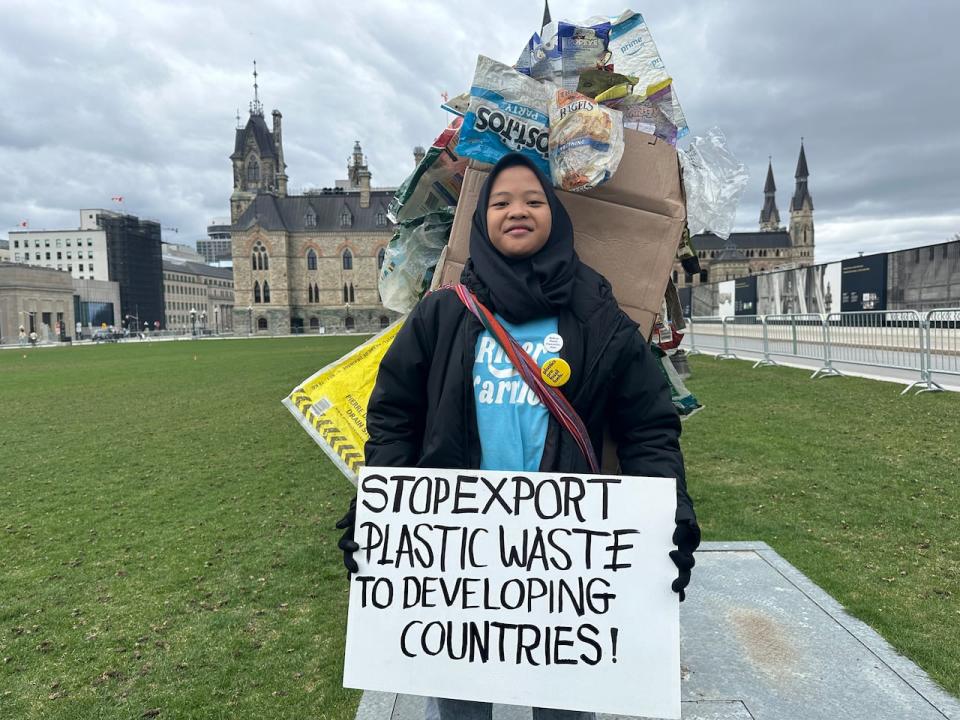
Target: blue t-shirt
column 510, row 417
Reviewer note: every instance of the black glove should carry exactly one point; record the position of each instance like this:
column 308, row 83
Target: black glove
column 347, row 543
column 687, row 538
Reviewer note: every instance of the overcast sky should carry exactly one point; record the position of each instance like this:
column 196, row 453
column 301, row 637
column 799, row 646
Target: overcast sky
column 139, row 99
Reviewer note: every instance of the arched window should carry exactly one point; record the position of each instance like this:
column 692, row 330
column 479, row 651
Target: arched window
column 266, row 291
column 253, row 170
column 346, row 295
column 380, row 256
column 310, row 219
column 260, row 259
column 261, row 323
column 314, row 323
column 384, row 321
column 703, row 276
column 348, row 322
column 316, row 293
column 309, row 293
column 347, row 260
column 311, row 259
column 352, row 296
column 256, row 292
column 676, row 276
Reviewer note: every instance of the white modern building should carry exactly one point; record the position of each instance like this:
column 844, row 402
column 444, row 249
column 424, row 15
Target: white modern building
column 82, row 251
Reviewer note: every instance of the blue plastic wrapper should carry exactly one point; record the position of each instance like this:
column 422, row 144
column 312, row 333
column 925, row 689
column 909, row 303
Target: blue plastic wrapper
column 508, row 112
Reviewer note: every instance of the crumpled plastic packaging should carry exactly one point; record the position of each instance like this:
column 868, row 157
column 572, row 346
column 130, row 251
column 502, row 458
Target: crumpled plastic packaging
column 507, row 113
column 633, row 52
column 564, row 51
column 411, row 258
column 436, row 181
column 649, row 113
column 713, row 179
column 586, row 141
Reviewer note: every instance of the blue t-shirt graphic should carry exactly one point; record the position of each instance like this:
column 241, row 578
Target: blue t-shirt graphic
column 510, row 417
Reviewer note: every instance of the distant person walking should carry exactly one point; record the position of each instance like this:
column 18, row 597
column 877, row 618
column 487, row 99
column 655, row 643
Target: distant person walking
column 22, row 337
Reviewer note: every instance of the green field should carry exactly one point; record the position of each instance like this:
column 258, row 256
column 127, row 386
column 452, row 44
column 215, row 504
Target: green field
column 166, row 533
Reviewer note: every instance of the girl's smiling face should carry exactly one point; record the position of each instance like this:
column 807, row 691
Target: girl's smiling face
column 518, row 216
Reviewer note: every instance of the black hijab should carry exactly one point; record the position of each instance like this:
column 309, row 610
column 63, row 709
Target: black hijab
column 522, row 289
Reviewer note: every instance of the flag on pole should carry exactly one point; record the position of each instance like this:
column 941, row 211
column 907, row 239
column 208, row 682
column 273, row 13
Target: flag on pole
column 117, row 198
column 445, row 96
column 23, row 223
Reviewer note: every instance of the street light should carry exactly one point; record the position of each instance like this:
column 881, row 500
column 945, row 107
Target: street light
column 250, row 317
column 216, row 318
column 193, row 321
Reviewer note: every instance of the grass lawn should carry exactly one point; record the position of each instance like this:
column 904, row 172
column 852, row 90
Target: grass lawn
column 166, row 542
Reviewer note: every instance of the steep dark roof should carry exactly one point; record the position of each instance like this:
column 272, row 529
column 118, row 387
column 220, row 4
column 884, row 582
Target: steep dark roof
column 288, row 213
column 262, row 136
column 742, row 240
column 769, row 186
column 731, row 253
column 801, row 194
column 769, row 213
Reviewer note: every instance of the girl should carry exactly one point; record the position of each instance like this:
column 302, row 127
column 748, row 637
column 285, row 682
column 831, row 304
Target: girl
column 447, row 397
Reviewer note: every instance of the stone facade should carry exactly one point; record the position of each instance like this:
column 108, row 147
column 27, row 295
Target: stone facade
column 37, row 299
column 204, row 289
column 773, row 247
column 310, row 262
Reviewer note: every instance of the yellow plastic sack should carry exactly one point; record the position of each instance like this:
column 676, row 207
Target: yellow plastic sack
column 332, row 403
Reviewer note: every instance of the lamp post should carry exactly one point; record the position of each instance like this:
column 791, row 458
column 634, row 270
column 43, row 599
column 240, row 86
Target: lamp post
column 216, row 318
column 193, row 321
column 250, row 318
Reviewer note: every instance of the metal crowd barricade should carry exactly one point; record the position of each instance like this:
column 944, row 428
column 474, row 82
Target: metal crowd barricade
column 879, row 338
column 744, row 334
column 801, row 336
column 707, row 335
column 942, row 346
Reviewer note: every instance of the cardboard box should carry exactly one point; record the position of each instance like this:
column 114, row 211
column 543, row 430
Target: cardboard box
column 628, row 229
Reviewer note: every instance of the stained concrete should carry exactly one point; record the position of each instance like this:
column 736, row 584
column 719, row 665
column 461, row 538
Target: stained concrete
column 760, row 641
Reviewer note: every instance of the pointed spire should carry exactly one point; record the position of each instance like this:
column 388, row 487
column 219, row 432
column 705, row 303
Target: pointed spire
column 769, row 215
column 802, row 172
column 770, row 186
column 256, row 107
column 546, row 14
column 801, row 195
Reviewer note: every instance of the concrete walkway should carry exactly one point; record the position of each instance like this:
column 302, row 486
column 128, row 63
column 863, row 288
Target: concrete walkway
column 760, row 641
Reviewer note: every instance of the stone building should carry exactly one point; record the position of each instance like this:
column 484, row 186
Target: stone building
column 37, row 298
column 772, row 247
column 197, row 296
column 309, row 262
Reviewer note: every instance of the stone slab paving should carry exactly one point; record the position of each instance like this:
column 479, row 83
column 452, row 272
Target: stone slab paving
column 760, row 641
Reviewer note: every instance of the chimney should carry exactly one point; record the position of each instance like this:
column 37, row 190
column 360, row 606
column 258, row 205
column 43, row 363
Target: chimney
column 363, row 178
column 418, row 155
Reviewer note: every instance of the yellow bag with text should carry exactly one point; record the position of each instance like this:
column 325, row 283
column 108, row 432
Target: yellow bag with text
column 332, row 403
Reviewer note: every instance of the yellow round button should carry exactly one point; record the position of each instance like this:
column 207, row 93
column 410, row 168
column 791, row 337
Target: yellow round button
column 555, row 372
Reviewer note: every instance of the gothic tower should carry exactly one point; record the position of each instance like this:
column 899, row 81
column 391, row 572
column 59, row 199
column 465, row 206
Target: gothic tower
column 801, row 214
column 769, row 215
column 257, row 157
column 359, row 174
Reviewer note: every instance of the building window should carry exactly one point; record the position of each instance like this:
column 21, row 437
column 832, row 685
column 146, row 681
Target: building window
column 46, row 242
column 687, row 278
column 253, row 170
column 314, row 323
column 311, row 260
column 16, row 257
column 348, row 322
column 347, row 260
column 260, row 260
column 384, row 321
column 59, row 255
column 703, row 276
column 352, row 296
column 932, row 251
column 261, row 323
column 345, row 219
column 380, row 256
column 316, row 293
column 346, row 295
column 90, row 254
column 81, row 267
column 68, row 242
column 256, row 292
column 381, row 219
column 16, row 244
column 309, row 293
column 48, row 256
column 58, row 242
column 266, row 291
column 310, row 219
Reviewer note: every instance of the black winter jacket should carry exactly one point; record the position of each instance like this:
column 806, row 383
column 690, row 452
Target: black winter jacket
column 422, row 414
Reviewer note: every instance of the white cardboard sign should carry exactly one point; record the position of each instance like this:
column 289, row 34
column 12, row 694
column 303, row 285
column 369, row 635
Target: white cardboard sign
column 539, row 589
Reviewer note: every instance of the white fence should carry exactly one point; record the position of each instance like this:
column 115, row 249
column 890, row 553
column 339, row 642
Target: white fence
column 919, row 345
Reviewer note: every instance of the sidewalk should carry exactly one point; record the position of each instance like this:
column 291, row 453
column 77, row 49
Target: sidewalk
column 760, row 641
